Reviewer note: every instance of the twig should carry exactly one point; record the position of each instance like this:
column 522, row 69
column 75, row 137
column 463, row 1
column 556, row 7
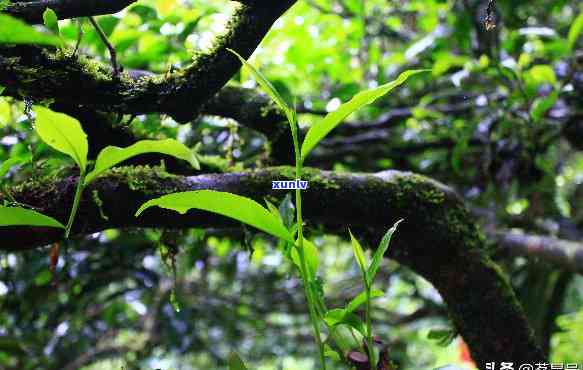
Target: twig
column 112, row 52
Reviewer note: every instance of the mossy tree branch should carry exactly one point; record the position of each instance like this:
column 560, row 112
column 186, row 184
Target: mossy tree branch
column 438, row 240
column 42, row 74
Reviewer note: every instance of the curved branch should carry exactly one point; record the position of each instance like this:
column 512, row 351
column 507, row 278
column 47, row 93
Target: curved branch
column 37, row 73
column 32, row 11
column 438, row 240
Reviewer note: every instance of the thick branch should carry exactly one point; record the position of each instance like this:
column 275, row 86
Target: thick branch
column 438, row 240
column 32, row 11
column 37, row 73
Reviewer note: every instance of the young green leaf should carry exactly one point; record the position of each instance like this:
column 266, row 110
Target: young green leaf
column 267, row 87
column 312, row 257
column 380, row 253
column 16, row 216
column 51, row 21
column 319, row 130
column 11, row 162
column 575, row 30
column 235, row 362
column 358, row 254
column 2, row 88
column 15, row 31
column 360, row 299
column 62, row 133
column 234, row 206
column 113, row 155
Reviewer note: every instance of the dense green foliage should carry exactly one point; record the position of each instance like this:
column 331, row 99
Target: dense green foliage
column 496, row 115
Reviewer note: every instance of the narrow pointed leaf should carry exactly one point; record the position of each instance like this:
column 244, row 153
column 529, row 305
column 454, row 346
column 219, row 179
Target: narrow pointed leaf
column 358, row 254
column 267, row 87
column 234, row 206
column 113, row 155
column 62, row 133
column 11, row 162
column 235, row 362
column 360, row 299
column 380, row 252
column 575, row 30
column 15, row 31
column 319, row 130
column 16, row 216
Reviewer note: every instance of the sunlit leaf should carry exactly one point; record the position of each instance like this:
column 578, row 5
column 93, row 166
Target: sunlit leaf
column 15, row 31
column 319, row 130
column 267, row 87
column 575, row 31
column 360, row 299
column 17, row 216
column 311, row 254
column 63, row 133
column 234, row 206
column 380, row 253
column 358, row 254
column 113, row 155
column 51, row 21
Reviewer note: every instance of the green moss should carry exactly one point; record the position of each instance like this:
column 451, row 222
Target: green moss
column 145, row 179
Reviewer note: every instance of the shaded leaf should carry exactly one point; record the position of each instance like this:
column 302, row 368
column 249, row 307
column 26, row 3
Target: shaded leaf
column 113, row 155
column 11, row 162
column 17, row 216
column 575, row 31
column 360, row 299
column 235, row 362
column 234, row 206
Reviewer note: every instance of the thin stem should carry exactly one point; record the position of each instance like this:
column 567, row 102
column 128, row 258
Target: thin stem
column 371, row 353
column 110, row 48
column 78, row 192
column 304, row 266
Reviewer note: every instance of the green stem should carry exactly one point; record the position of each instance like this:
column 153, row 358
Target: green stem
column 304, row 266
column 78, row 192
column 371, row 352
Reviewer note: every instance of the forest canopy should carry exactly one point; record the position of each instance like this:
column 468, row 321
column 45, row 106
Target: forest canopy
column 316, row 184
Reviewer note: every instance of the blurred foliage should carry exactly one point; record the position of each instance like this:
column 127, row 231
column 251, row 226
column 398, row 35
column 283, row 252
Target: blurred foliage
column 499, row 119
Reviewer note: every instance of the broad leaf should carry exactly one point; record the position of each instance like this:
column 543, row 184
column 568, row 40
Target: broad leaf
column 11, row 162
column 319, row 130
column 51, row 21
column 339, row 316
column 267, row 87
column 235, row 362
column 380, row 253
column 15, row 31
column 62, row 133
column 234, row 206
column 360, row 299
column 358, row 254
column 113, row 155
column 16, row 216
column 311, row 256
column 575, row 30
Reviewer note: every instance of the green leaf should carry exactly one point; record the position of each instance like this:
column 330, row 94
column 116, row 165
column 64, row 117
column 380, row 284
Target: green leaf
column 319, row 130
column 359, row 255
column 2, row 88
column 62, row 133
column 17, row 216
column 11, row 162
column 234, row 206
column 575, row 31
column 312, row 257
column 541, row 106
column 113, row 155
column 235, row 362
column 339, row 316
column 15, row 31
column 380, row 253
column 360, row 299
column 267, row 87
column 345, row 338
column 51, row 21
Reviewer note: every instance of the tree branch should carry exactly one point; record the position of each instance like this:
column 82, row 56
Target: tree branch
column 438, row 240
column 37, row 73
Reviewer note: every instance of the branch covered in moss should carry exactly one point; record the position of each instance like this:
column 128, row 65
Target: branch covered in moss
column 32, row 11
column 41, row 74
column 438, row 239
